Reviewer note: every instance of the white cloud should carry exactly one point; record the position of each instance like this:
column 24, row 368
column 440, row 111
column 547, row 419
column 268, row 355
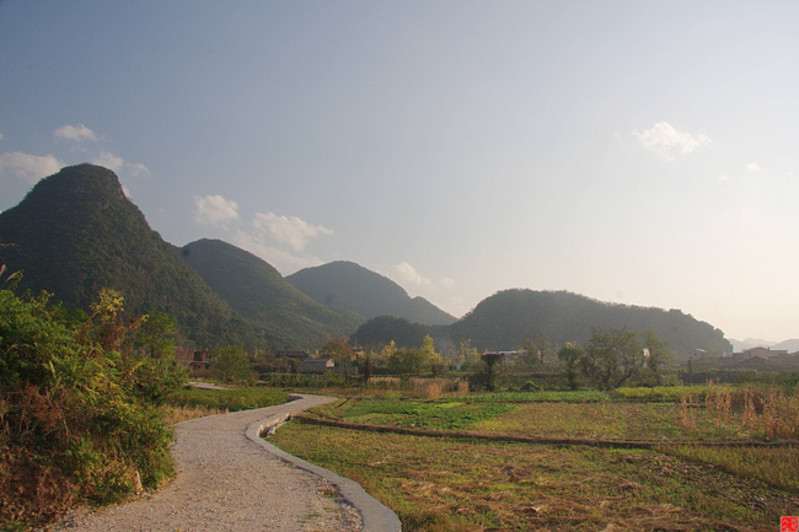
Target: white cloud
column 30, row 168
column 214, row 209
column 289, row 230
column 408, row 273
column 118, row 165
column 754, row 168
column 665, row 141
column 285, row 262
column 138, row 170
column 75, row 133
column 109, row 160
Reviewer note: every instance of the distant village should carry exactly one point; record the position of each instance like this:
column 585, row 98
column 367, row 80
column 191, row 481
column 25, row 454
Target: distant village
column 757, row 359
column 301, row 362
column 760, row 359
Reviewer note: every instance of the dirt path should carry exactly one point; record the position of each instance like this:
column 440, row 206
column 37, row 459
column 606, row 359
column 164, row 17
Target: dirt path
column 227, row 482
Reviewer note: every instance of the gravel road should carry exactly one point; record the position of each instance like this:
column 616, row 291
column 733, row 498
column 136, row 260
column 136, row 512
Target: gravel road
column 226, row 482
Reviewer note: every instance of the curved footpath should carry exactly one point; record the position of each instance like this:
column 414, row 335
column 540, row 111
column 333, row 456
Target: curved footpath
column 229, row 478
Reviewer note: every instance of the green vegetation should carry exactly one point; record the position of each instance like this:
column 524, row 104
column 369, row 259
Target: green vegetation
column 257, row 290
column 664, row 393
column 231, row 400
column 386, row 329
column 436, row 415
column 509, row 318
column 76, row 233
column 581, row 396
column 421, row 361
column 347, row 285
column 577, row 415
column 231, row 365
column 80, row 408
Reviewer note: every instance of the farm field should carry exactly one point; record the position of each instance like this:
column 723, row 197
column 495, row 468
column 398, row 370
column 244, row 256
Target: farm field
column 465, row 483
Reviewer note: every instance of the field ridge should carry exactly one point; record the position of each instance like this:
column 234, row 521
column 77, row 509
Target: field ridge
column 539, row 440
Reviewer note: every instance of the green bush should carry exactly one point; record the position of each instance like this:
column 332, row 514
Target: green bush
column 232, row 399
column 79, row 416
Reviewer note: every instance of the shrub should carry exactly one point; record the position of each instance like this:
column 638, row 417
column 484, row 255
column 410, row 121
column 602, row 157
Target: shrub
column 232, row 400
column 79, row 419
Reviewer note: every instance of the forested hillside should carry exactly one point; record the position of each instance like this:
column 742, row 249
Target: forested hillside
column 257, row 290
column 350, row 286
column 76, row 233
column 505, row 320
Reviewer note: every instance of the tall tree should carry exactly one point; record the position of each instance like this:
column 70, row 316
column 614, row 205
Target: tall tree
column 570, row 355
column 533, row 356
column 656, row 349
column 231, row 364
column 612, row 357
column 339, row 349
column 432, row 359
column 156, row 335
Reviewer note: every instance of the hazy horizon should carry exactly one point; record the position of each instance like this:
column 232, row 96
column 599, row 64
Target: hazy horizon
column 636, row 153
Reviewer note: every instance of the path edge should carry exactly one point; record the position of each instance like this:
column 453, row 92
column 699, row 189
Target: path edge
column 377, row 517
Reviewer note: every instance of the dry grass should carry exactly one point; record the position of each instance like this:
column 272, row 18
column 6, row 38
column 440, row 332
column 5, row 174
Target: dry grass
column 176, row 414
column 452, row 484
column 466, row 484
column 433, row 388
column 419, row 387
column 767, row 412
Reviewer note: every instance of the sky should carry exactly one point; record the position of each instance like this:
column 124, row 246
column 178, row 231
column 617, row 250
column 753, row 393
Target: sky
column 637, row 152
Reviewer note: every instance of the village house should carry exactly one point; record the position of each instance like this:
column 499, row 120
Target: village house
column 296, row 355
column 764, row 353
column 195, row 360
column 316, row 366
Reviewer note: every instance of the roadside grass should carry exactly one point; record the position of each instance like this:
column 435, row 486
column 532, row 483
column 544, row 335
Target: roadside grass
column 461, row 484
column 174, row 414
column 231, row 400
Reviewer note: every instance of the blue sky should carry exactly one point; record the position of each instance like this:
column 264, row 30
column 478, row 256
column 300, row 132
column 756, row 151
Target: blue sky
column 636, row 152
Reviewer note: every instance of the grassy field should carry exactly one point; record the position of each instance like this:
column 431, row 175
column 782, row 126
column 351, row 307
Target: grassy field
column 190, row 403
column 436, row 483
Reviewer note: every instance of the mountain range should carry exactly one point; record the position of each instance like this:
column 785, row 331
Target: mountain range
column 257, row 290
column 505, row 320
column 75, row 232
column 347, row 285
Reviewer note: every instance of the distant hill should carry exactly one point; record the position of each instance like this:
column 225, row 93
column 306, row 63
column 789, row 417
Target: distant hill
column 257, row 290
column 349, row 286
column 505, row 320
column 791, row 346
column 381, row 330
column 743, row 345
column 75, row 232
